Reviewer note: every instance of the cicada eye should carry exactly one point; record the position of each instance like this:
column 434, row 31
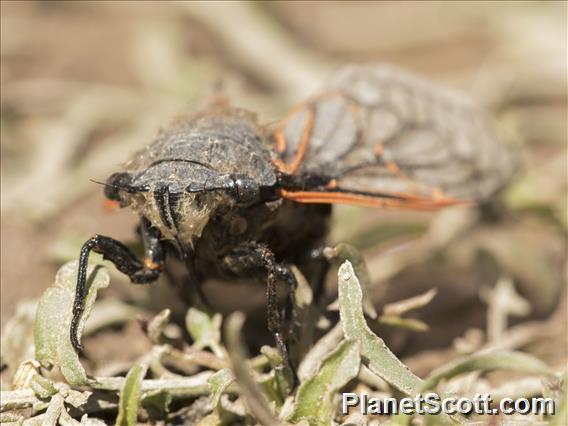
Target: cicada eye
column 245, row 190
column 115, row 183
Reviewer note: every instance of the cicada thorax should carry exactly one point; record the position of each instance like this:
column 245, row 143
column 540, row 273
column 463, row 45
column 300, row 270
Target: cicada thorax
column 212, row 144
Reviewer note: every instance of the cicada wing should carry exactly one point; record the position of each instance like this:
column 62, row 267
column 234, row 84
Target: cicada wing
column 384, row 133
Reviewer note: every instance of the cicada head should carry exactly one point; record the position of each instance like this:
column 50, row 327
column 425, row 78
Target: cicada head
column 179, row 215
column 202, row 164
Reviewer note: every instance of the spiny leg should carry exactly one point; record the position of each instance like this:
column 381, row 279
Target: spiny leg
column 253, row 256
column 125, row 261
column 281, row 321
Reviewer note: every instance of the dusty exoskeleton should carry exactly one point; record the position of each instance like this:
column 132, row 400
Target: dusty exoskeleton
column 236, row 199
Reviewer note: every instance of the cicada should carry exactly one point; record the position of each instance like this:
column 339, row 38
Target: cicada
column 233, row 198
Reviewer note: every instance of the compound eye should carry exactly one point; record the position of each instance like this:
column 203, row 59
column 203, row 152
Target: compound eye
column 246, row 190
column 115, row 183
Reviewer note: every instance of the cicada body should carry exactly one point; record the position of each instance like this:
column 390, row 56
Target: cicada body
column 235, row 199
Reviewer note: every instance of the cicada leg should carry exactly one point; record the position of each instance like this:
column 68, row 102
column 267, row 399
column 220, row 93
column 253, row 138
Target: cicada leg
column 139, row 272
column 280, row 321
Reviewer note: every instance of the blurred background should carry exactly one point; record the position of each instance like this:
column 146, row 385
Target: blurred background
column 84, row 85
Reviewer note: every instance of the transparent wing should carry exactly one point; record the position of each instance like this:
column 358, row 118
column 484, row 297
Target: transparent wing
column 380, row 132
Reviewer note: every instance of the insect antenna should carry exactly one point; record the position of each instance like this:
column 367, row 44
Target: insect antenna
column 116, row 187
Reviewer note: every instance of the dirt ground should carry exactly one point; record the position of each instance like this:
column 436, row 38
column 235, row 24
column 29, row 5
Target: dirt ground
column 85, row 84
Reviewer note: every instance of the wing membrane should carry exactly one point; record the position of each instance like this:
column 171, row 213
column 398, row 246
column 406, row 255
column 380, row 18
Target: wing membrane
column 384, row 133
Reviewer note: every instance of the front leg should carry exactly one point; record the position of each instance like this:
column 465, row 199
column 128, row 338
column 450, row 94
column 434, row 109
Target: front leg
column 139, row 272
column 253, row 257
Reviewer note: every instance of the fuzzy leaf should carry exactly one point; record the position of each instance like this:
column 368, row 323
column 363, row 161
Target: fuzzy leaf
column 157, row 403
column 16, row 340
column 156, row 326
column 66, row 420
column 109, row 312
column 487, row 361
column 342, row 252
column 306, row 314
column 53, row 411
column 402, row 307
column 254, row 396
column 205, row 329
column 315, row 400
column 561, row 416
column 218, row 383
column 376, row 355
column 42, row 387
column 406, row 323
column 53, row 319
column 130, row 396
column 75, row 398
column 283, row 375
column 323, row 346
